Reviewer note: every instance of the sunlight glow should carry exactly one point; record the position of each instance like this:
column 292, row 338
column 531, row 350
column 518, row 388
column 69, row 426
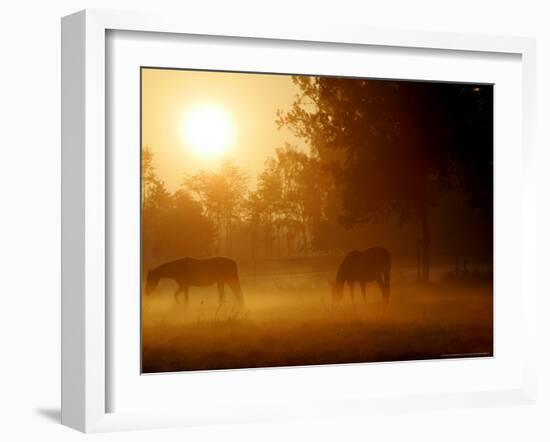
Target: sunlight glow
column 208, row 130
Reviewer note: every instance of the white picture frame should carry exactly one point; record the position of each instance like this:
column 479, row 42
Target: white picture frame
column 85, row 206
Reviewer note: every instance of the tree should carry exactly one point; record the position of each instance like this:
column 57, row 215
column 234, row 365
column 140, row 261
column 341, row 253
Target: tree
column 268, row 202
column 292, row 189
column 222, row 195
column 402, row 145
column 303, row 190
column 254, row 213
column 173, row 225
column 149, row 179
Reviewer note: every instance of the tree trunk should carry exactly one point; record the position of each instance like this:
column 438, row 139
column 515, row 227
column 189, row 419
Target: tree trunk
column 418, row 261
column 304, row 236
column 278, row 241
column 268, row 242
column 253, row 237
column 425, row 245
column 227, row 237
column 288, row 242
column 219, row 228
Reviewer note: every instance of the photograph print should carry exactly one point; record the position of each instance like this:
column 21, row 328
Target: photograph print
column 299, row 220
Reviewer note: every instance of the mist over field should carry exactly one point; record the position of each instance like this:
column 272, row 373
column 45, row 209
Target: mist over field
column 292, row 320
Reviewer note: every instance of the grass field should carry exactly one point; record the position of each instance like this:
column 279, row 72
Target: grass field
column 298, row 324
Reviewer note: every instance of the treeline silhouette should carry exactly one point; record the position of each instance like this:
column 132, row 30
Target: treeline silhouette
column 280, row 218
column 408, row 165
column 399, row 147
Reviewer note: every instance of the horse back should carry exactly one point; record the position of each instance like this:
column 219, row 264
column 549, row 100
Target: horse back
column 351, row 267
column 378, row 259
column 365, row 265
column 204, row 272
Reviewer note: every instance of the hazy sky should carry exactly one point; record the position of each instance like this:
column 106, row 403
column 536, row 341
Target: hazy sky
column 251, row 101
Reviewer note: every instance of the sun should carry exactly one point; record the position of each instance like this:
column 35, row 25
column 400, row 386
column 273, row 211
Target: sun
column 208, row 130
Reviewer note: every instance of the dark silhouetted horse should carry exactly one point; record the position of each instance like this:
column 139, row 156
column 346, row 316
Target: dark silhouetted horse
column 189, row 272
column 371, row 265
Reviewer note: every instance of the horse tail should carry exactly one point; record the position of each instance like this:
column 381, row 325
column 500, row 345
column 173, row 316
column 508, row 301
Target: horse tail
column 387, row 278
column 239, row 292
column 235, row 283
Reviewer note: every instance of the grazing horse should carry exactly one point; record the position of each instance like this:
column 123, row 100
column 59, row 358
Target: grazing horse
column 189, row 272
column 371, row 265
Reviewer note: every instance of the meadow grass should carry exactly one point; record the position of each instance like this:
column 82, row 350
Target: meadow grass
column 300, row 325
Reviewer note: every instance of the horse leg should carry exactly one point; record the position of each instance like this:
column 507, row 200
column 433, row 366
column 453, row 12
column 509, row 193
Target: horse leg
column 380, row 282
column 186, row 295
column 236, row 289
column 387, row 283
column 350, row 283
column 177, row 292
column 221, row 292
column 364, row 291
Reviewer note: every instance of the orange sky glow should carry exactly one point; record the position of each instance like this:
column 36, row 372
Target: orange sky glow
column 238, row 114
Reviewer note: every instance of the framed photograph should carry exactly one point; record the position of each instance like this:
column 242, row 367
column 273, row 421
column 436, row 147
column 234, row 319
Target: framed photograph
column 264, row 222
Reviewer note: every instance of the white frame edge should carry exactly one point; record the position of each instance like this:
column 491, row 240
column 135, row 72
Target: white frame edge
column 83, row 236
column 83, row 222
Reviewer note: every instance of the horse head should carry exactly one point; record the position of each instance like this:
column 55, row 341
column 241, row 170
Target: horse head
column 151, row 282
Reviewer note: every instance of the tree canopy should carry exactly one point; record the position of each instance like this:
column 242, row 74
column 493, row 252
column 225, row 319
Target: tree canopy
column 399, row 144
